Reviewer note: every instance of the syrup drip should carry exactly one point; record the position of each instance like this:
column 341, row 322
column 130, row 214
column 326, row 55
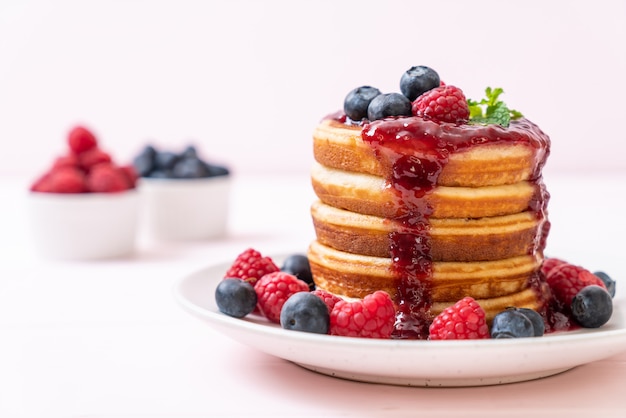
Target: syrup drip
column 417, row 150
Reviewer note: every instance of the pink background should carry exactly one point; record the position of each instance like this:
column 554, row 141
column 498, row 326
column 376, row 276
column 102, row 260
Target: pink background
column 248, row 80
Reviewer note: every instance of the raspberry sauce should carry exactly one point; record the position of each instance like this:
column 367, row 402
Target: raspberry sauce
column 417, row 150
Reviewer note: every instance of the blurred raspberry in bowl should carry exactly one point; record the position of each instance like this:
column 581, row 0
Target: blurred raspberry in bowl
column 84, row 206
column 185, row 197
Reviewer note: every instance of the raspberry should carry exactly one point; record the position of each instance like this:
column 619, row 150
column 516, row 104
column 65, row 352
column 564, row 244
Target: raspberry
column 80, row 139
column 130, row 174
column 41, row 184
column 69, row 160
column 465, row 320
column 106, row 178
column 443, row 104
column 89, row 159
column 85, row 168
column 549, row 264
column 371, row 317
column 250, row 265
column 566, row 280
column 61, row 180
column 329, row 299
column 273, row 290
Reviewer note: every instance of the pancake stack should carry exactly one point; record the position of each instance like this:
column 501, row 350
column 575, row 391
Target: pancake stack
column 431, row 213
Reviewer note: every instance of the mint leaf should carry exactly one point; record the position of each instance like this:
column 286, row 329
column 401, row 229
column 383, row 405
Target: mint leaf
column 500, row 114
column 491, row 110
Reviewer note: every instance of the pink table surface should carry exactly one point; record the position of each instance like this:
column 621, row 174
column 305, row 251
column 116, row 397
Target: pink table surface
column 107, row 339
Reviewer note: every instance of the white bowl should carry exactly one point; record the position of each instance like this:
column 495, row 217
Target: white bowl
column 185, row 209
column 84, row 226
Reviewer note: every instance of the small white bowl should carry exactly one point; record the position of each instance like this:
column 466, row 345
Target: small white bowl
column 84, row 226
column 185, row 209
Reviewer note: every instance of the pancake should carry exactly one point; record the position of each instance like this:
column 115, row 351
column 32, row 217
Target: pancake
column 372, row 195
column 452, row 239
column 340, row 146
column 496, row 285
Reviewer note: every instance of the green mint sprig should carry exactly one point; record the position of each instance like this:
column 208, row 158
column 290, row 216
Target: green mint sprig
column 490, row 110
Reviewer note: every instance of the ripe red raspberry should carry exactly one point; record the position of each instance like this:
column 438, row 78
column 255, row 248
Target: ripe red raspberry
column 444, row 104
column 566, row 280
column 274, row 289
column 250, row 265
column 61, row 180
column 106, row 178
column 371, row 317
column 69, row 160
column 465, row 320
column 80, row 139
column 40, row 184
column 549, row 264
column 130, row 174
column 90, row 158
column 329, row 299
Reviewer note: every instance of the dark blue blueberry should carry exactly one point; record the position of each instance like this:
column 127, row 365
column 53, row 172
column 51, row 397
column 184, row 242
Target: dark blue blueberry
column 539, row 325
column 356, row 102
column 608, row 282
column 235, row 297
column 190, row 168
column 511, row 323
column 418, row 80
column 165, row 160
column 144, row 161
column 304, row 311
column 592, row 307
column 189, row 152
column 183, row 165
column 298, row 265
column 389, row 104
column 160, row 174
column 215, row 170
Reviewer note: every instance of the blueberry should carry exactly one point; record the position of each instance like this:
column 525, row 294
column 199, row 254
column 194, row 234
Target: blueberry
column 304, row 311
column 189, row 152
column 592, row 307
column 190, row 168
column 388, row 104
column 160, row 174
column 511, row 323
column 235, row 297
column 418, row 80
column 144, row 161
column 298, row 265
column 536, row 319
column 165, row 160
column 608, row 282
column 182, row 165
column 215, row 170
column 356, row 102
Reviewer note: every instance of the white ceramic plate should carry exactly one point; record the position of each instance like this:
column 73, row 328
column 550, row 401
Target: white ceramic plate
column 402, row 362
